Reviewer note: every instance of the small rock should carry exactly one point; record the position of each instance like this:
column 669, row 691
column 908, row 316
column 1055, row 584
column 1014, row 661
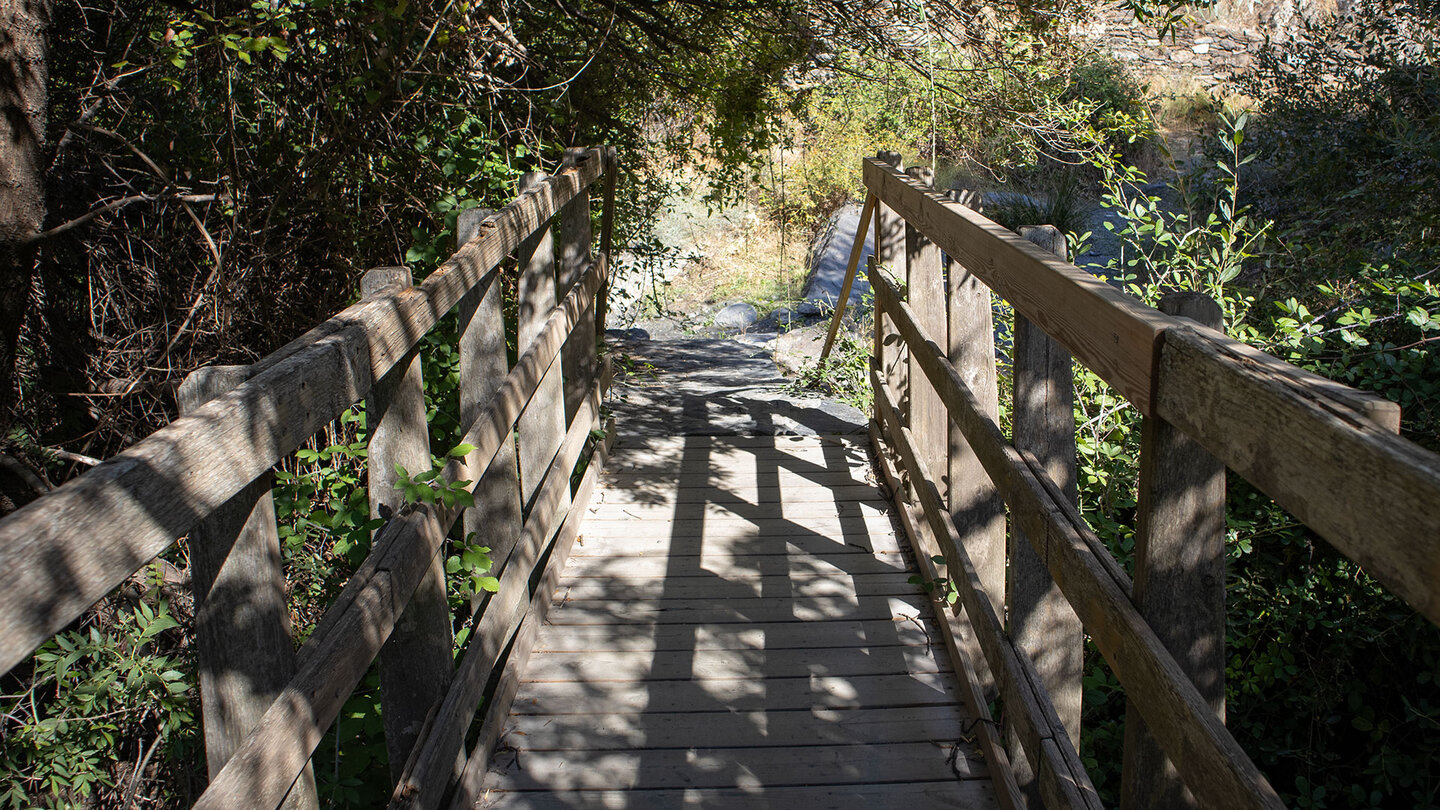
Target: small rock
column 736, row 316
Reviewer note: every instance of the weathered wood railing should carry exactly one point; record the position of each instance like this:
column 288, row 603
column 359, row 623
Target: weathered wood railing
column 208, row 474
column 1326, row 453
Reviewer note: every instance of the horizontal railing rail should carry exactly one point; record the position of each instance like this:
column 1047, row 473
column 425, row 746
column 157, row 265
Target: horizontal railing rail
column 1327, row 453
column 203, row 473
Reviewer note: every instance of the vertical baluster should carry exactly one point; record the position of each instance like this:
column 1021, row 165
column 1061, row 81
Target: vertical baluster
column 925, row 291
column 1041, row 621
column 572, row 257
column 607, row 235
column 1179, row 575
column 416, row 662
column 542, row 425
column 975, row 504
column 890, row 255
column 495, row 519
column 242, row 621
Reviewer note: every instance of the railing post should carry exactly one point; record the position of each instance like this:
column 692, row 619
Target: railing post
column 578, row 354
column 1041, row 621
column 975, row 504
column 542, row 425
column 890, row 253
column 1179, row 575
column 416, row 662
column 242, row 621
column 607, row 235
column 495, row 519
column 925, row 291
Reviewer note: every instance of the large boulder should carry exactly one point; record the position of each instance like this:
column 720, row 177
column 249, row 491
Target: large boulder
column 829, row 259
column 736, row 316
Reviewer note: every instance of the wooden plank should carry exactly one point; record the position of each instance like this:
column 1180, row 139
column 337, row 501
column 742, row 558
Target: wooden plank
column 1032, row 716
column 890, row 257
column 416, row 662
column 1370, row 494
column 242, row 621
column 62, row 552
column 947, row 794
column 975, row 505
column 728, row 565
column 495, row 520
column 1108, row 331
column 848, row 443
column 541, row 428
column 724, row 729
column 792, row 489
column 748, row 636
column 1179, row 575
column 712, row 587
column 1212, row 763
column 350, row 633
column 578, row 358
column 739, row 509
column 596, row 666
column 1041, row 622
column 737, row 539
column 849, row 529
column 765, row 609
column 790, row 482
column 733, row 767
column 742, row 695
column 925, row 290
column 428, row 767
column 843, row 299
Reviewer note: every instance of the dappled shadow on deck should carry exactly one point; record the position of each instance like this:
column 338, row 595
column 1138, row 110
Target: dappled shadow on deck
column 736, row 629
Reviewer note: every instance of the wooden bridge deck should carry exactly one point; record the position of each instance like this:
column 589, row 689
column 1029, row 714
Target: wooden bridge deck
column 735, row 628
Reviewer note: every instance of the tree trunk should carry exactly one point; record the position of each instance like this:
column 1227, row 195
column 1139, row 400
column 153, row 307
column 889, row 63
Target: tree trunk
column 23, row 104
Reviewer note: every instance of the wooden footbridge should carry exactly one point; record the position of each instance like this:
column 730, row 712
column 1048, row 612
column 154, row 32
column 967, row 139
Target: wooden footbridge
column 729, row 621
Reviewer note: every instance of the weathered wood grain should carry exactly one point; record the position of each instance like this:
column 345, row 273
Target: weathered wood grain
column 495, row 520
column 1211, row 762
column 1371, row 494
column 62, row 552
column 1108, row 331
column 975, row 506
column 427, row 771
column 357, row 623
column 705, row 586
column 925, row 290
column 724, row 729
column 734, row 767
column 946, row 794
column 242, row 623
column 791, row 635
column 558, row 698
column 599, row 666
column 797, row 561
column 467, row 787
column 541, row 428
column 1179, row 575
column 572, row 256
column 1038, row 618
column 415, row 663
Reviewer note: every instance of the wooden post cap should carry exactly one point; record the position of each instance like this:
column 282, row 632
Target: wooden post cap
column 384, row 279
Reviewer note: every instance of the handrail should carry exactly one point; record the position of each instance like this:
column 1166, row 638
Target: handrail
column 1282, row 434
column 1325, row 452
column 67, row 549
